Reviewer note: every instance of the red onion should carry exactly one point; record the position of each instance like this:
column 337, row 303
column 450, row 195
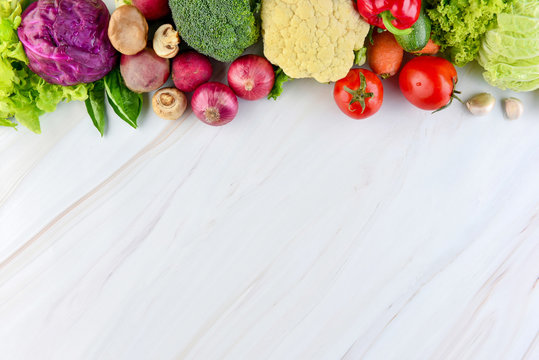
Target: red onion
column 251, row 77
column 214, row 103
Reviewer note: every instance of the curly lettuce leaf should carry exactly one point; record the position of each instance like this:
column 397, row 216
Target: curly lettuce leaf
column 25, row 96
column 510, row 51
column 458, row 25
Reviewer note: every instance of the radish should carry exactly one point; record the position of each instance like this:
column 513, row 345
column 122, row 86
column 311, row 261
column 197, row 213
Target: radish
column 190, row 70
column 214, row 103
column 152, row 9
column 251, row 77
column 145, row 71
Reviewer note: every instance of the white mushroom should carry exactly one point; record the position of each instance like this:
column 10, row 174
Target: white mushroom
column 166, row 41
column 169, row 103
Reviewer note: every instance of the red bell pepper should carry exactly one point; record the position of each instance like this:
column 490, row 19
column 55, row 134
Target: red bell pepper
column 397, row 16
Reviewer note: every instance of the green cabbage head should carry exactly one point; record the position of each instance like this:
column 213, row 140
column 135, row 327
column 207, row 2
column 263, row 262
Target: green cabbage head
column 509, row 52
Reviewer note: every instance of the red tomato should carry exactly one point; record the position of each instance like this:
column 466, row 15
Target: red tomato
column 428, row 82
column 360, row 94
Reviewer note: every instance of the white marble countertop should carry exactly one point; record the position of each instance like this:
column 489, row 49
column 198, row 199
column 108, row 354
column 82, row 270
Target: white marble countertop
column 291, row 233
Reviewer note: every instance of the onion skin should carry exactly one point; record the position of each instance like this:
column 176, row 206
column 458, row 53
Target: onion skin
column 251, row 77
column 214, row 104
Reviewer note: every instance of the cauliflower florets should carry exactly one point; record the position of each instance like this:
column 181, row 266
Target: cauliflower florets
column 312, row 38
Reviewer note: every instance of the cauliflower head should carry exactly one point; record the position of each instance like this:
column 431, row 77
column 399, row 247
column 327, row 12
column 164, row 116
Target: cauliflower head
column 312, row 38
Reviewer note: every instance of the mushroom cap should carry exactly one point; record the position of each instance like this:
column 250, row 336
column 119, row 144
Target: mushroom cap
column 166, row 41
column 128, row 30
column 169, row 103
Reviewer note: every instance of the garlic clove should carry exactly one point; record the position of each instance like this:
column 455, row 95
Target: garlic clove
column 512, row 108
column 481, row 104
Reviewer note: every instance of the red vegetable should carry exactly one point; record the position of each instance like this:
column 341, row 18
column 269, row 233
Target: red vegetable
column 428, row 82
column 397, row 16
column 384, row 54
column 190, row 70
column 214, row 103
column 251, row 77
column 360, row 94
column 152, row 9
column 145, row 71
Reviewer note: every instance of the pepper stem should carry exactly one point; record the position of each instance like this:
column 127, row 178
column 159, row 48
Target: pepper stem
column 387, row 17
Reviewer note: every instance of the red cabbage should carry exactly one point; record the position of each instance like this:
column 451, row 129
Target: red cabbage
column 66, row 41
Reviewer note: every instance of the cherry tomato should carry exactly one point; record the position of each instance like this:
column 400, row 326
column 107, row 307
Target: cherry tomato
column 428, row 82
column 360, row 94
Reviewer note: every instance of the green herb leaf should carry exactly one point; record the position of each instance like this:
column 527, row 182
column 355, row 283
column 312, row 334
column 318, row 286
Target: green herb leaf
column 7, row 122
column 95, row 105
column 125, row 103
column 280, row 79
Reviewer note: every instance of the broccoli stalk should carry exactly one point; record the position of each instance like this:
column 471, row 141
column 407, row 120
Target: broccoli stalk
column 221, row 29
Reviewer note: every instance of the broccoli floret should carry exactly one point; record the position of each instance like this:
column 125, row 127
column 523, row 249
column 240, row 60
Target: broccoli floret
column 222, row 29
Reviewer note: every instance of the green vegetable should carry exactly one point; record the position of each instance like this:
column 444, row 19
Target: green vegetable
column 95, row 105
column 24, row 96
column 280, row 79
column 222, row 29
column 360, row 56
column 419, row 36
column 125, row 103
column 510, row 52
column 459, row 25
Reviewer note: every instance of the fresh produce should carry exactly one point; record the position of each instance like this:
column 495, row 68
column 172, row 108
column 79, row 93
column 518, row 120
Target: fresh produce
column 145, row 71
column 95, row 105
column 308, row 39
column 251, row 77
column 459, row 25
column 397, row 16
column 169, row 103
column 428, row 82
column 418, row 38
column 190, row 70
column 214, row 103
column 481, row 104
column 384, row 54
column 280, row 79
column 25, row 96
column 152, row 9
column 360, row 94
column 166, row 41
column 125, row 103
column 221, row 29
column 509, row 52
column 512, row 108
column 128, row 30
column 66, row 40
column 430, row 49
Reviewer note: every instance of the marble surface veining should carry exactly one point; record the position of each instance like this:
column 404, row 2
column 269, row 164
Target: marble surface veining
column 291, row 233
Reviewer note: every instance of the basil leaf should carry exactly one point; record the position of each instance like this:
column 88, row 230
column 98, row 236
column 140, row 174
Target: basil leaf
column 125, row 103
column 95, row 105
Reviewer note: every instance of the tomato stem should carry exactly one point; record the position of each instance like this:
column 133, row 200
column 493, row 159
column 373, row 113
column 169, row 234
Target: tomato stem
column 359, row 95
column 453, row 96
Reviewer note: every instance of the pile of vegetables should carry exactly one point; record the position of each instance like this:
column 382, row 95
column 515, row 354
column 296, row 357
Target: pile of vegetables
column 63, row 50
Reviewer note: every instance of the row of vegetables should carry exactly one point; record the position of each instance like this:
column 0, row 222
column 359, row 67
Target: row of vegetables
column 63, row 50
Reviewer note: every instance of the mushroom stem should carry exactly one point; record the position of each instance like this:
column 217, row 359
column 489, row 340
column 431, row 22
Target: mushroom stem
column 166, row 41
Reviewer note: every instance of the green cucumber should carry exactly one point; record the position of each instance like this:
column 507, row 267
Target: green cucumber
column 419, row 36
